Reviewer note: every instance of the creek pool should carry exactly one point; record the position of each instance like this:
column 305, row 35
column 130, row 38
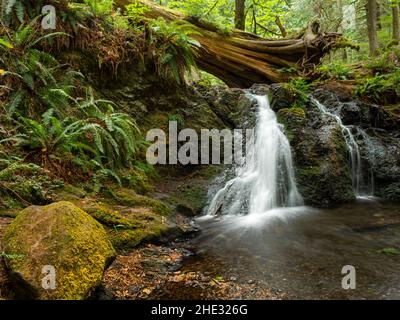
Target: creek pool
column 301, row 251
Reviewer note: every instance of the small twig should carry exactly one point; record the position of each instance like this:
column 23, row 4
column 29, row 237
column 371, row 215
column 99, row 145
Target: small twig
column 212, row 8
column 15, row 193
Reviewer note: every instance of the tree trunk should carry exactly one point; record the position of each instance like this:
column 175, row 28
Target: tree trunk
column 340, row 28
column 396, row 24
column 241, row 58
column 371, row 9
column 240, row 18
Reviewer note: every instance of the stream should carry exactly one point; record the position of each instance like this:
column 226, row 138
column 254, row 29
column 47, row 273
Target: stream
column 256, row 230
column 301, row 251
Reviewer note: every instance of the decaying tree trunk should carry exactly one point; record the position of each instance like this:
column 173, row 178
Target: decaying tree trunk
column 241, row 59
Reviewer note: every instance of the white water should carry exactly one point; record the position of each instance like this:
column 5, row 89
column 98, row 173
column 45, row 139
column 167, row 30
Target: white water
column 355, row 157
column 266, row 180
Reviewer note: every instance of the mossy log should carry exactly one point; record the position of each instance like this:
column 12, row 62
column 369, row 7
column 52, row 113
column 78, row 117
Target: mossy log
column 240, row 58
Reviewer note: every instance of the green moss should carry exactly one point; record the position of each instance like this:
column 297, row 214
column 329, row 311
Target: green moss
column 70, row 192
column 340, row 143
column 110, row 218
column 293, row 112
column 127, row 226
column 310, row 171
column 130, row 198
column 129, row 238
column 137, row 180
column 292, row 119
column 64, row 236
column 190, row 196
column 158, row 120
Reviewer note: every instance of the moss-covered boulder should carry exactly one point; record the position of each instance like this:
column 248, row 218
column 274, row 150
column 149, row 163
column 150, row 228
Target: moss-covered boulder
column 62, row 236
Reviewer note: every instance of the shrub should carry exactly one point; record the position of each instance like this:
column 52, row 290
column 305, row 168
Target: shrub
column 383, row 88
column 335, row 70
column 299, row 88
column 172, row 51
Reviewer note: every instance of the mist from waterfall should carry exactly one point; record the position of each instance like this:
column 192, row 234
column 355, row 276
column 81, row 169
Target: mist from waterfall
column 266, row 179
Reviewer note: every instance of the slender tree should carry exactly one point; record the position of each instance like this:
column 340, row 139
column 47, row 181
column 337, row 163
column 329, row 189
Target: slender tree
column 372, row 26
column 396, row 24
column 240, row 17
column 340, row 27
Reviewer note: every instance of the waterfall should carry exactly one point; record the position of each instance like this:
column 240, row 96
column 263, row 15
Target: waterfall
column 354, row 150
column 265, row 180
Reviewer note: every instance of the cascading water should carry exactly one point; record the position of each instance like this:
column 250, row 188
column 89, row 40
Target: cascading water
column 266, row 180
column 355, row 157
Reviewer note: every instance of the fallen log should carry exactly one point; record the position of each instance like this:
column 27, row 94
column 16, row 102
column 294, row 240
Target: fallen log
column 241, row 59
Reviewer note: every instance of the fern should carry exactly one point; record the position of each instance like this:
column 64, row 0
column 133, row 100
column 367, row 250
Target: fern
column 115, row 135
column 40, row 81
column 175, row 51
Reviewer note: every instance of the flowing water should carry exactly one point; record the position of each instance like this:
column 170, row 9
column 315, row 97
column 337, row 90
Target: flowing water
column 266, row 180
column 256, row 229
column 301, row 251
column 358, row 180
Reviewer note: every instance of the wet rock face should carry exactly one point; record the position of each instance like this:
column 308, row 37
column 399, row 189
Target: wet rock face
column 377, row 134
column 320, row 154
column 357, row 112
column 56, row 252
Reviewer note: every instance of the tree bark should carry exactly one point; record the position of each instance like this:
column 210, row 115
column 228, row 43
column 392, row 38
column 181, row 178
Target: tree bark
column 341, row 28
column 372, row 27
column 396, row 23
column 281, row 26
column 241, row 58
column 240, row 17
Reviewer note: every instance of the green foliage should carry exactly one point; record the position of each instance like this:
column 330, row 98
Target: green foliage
column 135, row 11
column 383, row 88
column 175, row 51
column 299, row 88
column 208, row 80
column 389, row 251
column 387, row 62
column 16, row 11
column 115, row 136
column 36, row 80
column 51, row 138
column 100, row 8
column 9, row 166
column 11, row 256
column 214, row 15
column 178, row 118
column 23, row 183
column 335, row 70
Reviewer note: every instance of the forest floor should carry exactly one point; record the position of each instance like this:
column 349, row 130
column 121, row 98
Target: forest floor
column 156, row 273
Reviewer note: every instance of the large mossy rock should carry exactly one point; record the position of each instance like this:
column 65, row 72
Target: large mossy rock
column 59, row 235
